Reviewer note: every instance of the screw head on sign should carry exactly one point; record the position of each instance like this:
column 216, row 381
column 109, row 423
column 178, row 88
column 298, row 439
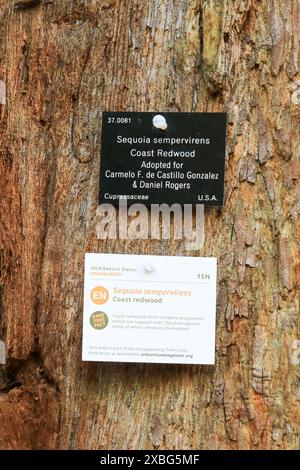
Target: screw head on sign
column 160, row 122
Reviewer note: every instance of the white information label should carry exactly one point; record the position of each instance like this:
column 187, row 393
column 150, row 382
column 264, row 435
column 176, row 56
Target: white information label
column 142, row 308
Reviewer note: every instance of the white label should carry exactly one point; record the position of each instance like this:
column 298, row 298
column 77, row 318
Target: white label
column 156, row 309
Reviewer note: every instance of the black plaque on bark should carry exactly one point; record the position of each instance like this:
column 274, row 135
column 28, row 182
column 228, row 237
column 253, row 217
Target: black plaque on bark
column 183, row 163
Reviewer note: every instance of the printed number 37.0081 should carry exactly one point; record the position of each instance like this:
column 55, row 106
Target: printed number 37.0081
column 118, row 120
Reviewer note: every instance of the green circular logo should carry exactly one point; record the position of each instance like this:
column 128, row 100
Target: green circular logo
column 99, row 320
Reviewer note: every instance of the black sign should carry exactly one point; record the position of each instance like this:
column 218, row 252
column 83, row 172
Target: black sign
column 155, row 158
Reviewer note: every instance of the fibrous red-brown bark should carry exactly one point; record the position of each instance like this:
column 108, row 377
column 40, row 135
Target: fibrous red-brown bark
column 62, row 64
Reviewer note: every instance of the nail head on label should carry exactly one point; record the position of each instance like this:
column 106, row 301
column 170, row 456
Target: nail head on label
column 160, row 122
column 149, row 268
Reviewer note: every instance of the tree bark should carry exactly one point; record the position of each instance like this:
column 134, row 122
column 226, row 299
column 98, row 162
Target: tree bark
column 63, row 63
